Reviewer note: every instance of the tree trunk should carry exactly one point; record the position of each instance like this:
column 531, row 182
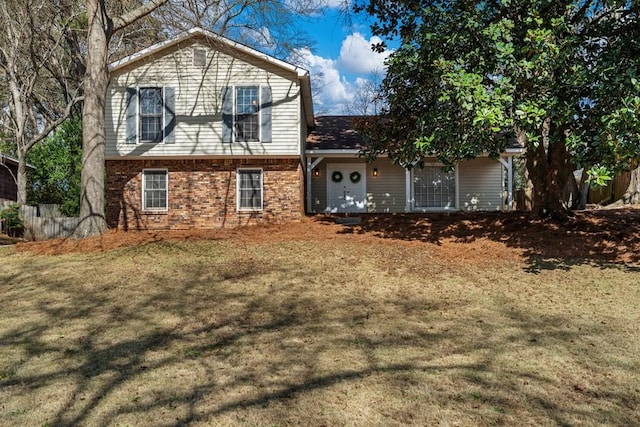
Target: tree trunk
column 21, row 178
column 632, row 195
column 92, row 200
column 549, row 169
column 96, row 80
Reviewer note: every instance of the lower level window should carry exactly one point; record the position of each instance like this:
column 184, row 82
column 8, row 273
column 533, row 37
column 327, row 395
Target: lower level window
column 434, row 187
column 249, row 189
column 154, row 190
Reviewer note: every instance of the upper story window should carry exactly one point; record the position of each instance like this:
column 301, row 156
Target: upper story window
column 247, row 114
column 151, row 111
column 150, row 115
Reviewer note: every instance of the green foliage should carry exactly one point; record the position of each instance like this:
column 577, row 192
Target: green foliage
column 57, row 161
column 11, row 222
column 471, row 75
column 598, row 176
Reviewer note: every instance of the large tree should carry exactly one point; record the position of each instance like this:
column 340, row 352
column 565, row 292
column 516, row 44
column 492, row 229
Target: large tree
column 41, row 84
column 100, row 29
column 471, row 76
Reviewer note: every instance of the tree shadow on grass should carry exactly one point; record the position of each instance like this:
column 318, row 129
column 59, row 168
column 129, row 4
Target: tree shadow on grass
column 205, row 346
column 603, row 236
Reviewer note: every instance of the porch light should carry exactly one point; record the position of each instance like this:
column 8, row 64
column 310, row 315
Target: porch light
column 375, row 171
column 316, row 172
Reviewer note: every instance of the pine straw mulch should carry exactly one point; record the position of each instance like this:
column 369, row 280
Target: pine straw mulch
column 604, row 235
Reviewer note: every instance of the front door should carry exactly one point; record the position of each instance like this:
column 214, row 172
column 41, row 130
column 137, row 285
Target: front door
column 346, row 188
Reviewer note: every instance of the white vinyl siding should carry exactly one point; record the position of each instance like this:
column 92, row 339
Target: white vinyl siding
column 386, row 192
column 198, row 105
column 481, row 185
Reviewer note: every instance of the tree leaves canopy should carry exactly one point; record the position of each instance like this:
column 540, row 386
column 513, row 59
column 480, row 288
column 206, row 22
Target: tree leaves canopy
column 471, row 76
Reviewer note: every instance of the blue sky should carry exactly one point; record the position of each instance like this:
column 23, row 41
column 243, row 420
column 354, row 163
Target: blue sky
column 340, row 60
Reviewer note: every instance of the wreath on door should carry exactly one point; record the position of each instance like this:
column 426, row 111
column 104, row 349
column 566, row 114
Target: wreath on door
column 336, row 176
column 355, row 177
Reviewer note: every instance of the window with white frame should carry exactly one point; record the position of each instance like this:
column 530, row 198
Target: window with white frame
column 155, row 194
column 247, row 116
column 151, row 110
column 434, row 187
column 249, row 182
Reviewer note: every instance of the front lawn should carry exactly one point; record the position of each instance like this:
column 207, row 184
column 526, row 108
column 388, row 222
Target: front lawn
column 350, row 329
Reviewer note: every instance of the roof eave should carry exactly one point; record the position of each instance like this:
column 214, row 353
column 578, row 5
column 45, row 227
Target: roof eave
column 4, row 158
column 197, row 31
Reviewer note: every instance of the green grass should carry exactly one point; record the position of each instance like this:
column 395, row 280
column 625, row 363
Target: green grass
column 333, row 332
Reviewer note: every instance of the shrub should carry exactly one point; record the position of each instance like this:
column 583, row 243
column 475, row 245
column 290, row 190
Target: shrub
column 11, row 222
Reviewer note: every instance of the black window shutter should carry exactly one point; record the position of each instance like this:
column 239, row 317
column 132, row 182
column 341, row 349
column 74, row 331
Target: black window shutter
column 169, row 115
column 227, row 114
column 132, row 115
column 265, row 111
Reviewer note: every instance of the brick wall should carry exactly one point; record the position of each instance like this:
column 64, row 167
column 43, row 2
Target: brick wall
column 202, row 193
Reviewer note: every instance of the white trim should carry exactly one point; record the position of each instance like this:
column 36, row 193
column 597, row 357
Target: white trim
column 249, row 210
column 514, row 150
column 166, row 202
column 234, row 113
column 407, row 189
column 139, row 113
column 203, row 157
column 353, row 151
column 193, row 32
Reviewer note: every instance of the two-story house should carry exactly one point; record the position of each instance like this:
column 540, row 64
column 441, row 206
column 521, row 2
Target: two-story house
column 204, row 132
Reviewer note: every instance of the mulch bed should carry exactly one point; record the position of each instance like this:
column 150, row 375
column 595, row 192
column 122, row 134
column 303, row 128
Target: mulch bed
column 605, row 235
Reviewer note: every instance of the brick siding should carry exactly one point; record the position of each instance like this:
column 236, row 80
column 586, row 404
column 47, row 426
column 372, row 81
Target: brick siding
column 202, row 193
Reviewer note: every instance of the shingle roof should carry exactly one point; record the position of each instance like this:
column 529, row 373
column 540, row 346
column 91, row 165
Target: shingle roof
column 338, row 133
column 334, row 133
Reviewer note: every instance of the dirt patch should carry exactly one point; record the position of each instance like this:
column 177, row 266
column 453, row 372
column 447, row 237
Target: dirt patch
column 599, row 235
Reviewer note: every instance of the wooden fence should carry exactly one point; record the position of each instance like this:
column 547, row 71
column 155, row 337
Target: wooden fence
column 611, row 192
column 45, row 222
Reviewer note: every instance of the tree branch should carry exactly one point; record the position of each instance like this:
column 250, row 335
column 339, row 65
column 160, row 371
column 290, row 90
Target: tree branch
column 132, row 16
column 42, row 135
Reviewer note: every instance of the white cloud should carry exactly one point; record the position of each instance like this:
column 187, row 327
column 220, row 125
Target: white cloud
column 338, row 3
column 260, row 38
column 331, row 91
column 356, row 55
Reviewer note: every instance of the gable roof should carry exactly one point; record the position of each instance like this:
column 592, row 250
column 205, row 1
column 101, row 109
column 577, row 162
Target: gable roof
column 334, row 133
column 160, row 48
